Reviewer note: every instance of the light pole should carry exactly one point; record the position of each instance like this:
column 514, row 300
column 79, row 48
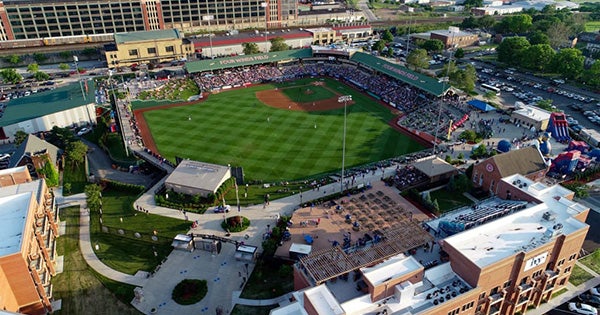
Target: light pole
column 209, row 18
column 266, row 6
column 75, row 60
column 344, row 99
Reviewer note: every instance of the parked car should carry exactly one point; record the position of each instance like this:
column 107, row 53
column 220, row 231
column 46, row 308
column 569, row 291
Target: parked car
column 595, row 291
column 589, row 299
column 580, row 308
column 83, row 131
column 222, row 209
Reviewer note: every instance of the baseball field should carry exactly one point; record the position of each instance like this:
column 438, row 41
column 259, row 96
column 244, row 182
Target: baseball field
column 282, row 131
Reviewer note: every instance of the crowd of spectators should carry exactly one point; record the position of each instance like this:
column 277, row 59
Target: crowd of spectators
column 408, row 177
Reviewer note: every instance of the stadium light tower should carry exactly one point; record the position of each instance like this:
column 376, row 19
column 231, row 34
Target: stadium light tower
column 209, row 18
column 344, row 99
column 265, row 5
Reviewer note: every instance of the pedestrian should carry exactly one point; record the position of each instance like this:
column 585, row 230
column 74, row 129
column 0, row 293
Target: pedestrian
column 268, row 119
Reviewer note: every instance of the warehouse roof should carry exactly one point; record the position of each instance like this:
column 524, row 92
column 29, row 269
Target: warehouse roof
column 127, row 37
column 46, row 103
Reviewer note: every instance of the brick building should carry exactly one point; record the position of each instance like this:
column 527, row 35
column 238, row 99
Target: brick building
column 504, row 256
column 527, row 161
column 28, row 229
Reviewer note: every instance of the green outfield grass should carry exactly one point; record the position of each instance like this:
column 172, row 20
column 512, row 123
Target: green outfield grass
column 307, row 93
column 235, row 128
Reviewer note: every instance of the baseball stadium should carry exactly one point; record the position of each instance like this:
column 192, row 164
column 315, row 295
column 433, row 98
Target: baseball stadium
column 296, row 114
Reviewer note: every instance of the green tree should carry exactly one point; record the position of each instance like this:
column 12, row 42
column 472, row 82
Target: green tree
column 558, row 35
column 20, row 137
column 48, row 172
column 76, row 151
column 515, row 24
column 13, row 59
column 545, row 104
column 459, row 53
column 469, row 22
column 592, row 75
column 511, row 48
column 473, row 3
column 490, row 96
column 379, row 46
column 418, row 58
column 278, row 44
column 67, row 188
column 537, row 57
column 33, row 67
column 387, row 36
column 10, row 76
column 65, row 55
column 486, row 22
column 41, row 76
column 250, row 48
column 39, row 57
column 464, row 79
column 433, row 45
column 93, row 197
column 468, row 135
column 538, row 38
column 64, row 66
column 568, row 62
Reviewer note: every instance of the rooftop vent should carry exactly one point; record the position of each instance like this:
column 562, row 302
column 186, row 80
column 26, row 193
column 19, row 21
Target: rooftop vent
column 549, row 216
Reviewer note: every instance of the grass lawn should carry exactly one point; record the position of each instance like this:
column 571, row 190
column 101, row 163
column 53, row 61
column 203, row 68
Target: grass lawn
column 592, row 26
column 592, row 261
column 127, row 254
column 232, row 128
column 579, row 276
column 267, row 282
column 449, row 200
column 81, row 291
column 559, row 292
column 114, row 143
column 76, row 176
column 256, row 193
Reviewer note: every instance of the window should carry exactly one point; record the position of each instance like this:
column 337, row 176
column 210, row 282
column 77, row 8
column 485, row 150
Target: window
column 454, row 312
column 169, row 49
column 574, row 256
column 482, row 296
column 152, row 50
column 495, row 290
column 507, row 284
column 536, row 274
column 568, row 269
column 524, row 280
column 133, row 52
column 561, row 262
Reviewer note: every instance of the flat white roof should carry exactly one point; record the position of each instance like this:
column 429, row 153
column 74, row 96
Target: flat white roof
column 533, row 113
column 246, row 249
column 522, row 231
column 300, row 248
column 12, row 170
column 390, row 269
column 451, row 33
column 323, row 301
column 290, row 309
column 199, row 175
column 13, row 215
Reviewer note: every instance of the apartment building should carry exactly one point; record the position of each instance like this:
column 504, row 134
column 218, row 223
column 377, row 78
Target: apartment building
column 27, row 19
column 500, row 256
column 28, row 229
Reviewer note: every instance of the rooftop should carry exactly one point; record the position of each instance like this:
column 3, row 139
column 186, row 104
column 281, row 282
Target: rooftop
column 13, row 215
column 196, row 174
column 522, row 231
column 452, row 33
column 392, row 268
column 245, row 60
column 323, row 301
column 433, row 166
column 34, row 146
column 121, row 38
column 48, row 102
column 533, row 112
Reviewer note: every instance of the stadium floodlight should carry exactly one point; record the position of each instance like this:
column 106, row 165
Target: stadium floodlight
column 265, row 5
column 344, row 99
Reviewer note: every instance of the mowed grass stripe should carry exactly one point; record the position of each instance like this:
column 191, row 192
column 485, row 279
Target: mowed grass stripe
column 234, row 127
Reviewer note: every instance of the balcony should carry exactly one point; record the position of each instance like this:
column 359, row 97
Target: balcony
column 48, row 290
column 494, row 310
column 551, row 274
column 523, row 299
column 525, row 287
column 35, row 263
column 549, row 287
column 495, row 298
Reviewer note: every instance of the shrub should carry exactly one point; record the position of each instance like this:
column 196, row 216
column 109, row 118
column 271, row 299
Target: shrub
column 230, row 225
column 189, row 291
